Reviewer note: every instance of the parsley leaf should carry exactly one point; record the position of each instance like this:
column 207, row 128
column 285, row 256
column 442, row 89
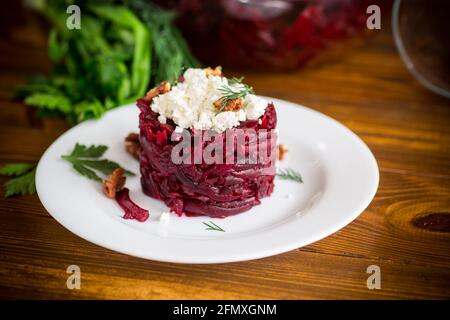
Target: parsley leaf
column 88, row 173
column 93, row 151
column 49, row 101
column 23, row 183
column 85, row 160
column 104, row 166
column 15, row 169
column 123, row 48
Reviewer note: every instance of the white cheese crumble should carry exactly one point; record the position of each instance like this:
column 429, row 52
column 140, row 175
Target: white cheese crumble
column 163, row 226
column 162, row 119
column 190, row 104
column 164, row 217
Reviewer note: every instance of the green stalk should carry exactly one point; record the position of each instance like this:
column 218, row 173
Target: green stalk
column 141, row 65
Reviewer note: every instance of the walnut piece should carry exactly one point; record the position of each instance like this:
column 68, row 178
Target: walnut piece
column 163, row 87
column 132, row 145
column 217, row 71
column 114, row 183
column 231, row 105
column 282, row 150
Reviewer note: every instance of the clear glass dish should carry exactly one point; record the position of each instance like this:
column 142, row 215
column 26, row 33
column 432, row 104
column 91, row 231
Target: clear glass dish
column 421, row 32
column 266, row 34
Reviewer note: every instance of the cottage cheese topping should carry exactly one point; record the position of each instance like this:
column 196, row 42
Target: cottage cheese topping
column 190, row 104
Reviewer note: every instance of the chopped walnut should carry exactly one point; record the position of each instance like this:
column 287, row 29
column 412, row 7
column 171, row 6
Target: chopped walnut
column 132, row 145
column 231, row 105
column 114, row 183
column 217, row 71
column 282, row 150
column 163, row 87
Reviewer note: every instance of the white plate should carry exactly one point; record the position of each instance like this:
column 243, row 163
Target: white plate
column 340, row 179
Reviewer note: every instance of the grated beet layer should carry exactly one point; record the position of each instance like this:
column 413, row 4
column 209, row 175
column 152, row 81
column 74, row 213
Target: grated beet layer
column 215, row 190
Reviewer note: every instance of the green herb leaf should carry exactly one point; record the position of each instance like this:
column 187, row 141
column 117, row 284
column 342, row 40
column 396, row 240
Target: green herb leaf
column 85, row 160
column 16, row 169
column 170, row 52
column 49, row 101
column 234, row 81
column 290, row 174
column 93, row 151
column 104, row 166
column 88, row 173
column 55, row 50
column 212, row 226
column 88, row 110
column 239, row 91
column 123, row 48
column 21, row 185
column 140, row 68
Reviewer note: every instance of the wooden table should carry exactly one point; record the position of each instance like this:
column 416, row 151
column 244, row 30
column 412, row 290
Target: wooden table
column 405, row 230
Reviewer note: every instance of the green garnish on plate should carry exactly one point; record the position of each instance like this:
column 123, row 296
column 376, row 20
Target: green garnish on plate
column 86, row 161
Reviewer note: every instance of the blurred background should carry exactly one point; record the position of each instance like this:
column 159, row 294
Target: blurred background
column 268, row 34
column 240, row 35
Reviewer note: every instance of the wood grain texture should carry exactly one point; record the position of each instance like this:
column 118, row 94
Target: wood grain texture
column 366, row 87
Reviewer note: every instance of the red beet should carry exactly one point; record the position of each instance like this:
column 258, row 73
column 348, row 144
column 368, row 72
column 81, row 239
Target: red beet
column 132, row 210
column 215, row 190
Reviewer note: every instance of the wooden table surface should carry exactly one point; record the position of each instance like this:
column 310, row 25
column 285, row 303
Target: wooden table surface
column 405, row 230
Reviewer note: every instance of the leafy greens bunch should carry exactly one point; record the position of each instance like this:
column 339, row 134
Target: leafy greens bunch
column 122, row 49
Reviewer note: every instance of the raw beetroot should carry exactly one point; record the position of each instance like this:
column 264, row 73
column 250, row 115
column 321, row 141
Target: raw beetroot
column 215, row 190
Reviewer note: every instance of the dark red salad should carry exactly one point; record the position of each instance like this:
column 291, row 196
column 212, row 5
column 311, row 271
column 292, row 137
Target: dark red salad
column 217, row 188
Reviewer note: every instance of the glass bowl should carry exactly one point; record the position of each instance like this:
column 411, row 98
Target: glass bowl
column 266, row 34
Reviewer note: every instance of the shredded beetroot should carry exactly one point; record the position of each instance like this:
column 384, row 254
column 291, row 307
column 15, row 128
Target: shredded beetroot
column 132, row 210
column 215, row 190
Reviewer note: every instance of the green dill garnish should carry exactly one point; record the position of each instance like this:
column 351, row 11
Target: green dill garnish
column 229, row 93
column 85, row 160
column 233, row 81
column 213, row 226
column 290, row 174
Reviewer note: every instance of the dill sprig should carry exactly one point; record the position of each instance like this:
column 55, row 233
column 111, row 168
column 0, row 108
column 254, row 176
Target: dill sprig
column 213, row 226
column 229, row 93
column 290, row 174
column 233, row 81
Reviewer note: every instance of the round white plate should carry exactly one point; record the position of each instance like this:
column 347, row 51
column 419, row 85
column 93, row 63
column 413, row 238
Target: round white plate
column 340, row 179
